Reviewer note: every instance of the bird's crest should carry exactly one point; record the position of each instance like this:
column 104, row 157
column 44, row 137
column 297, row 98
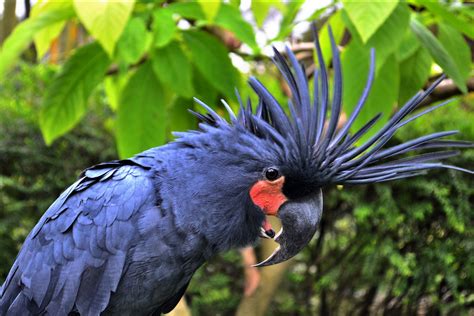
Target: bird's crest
column 308, row 136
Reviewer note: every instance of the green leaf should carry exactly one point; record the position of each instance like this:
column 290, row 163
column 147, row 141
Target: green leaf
column 113, row 86
column 211, row 59
column 414, row 72
column 141, row 117
column 188, row 10
column 439, row 53
column 388, row 36
column 173, row 69
column 260, row 11
column 289, row 11
column 134, row 41
column 368, row 16
column 66, row 99
column 335, row 21
column 23, row 34
column 230, row 18
column 408, row 46
column 210, row 8
column 457, row 48
column 449, row 17
column 105, row 19
column 204, row 90
column 384, row 93
column 164, row 26
column 45, row 36
column 179, row 116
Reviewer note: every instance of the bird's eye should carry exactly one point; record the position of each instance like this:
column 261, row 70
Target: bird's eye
column 271, row 174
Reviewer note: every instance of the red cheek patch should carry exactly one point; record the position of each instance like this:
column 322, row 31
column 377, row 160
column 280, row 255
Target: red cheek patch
column 268, row 196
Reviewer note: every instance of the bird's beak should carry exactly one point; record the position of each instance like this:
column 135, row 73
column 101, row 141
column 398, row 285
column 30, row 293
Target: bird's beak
column 299, row 221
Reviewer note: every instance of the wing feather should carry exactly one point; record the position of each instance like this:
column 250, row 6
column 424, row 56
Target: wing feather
column 80, row 244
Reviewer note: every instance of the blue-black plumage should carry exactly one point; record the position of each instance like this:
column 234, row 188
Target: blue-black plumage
column 127, row 237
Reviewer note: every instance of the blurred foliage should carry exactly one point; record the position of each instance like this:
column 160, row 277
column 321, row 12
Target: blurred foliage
column 32, row 174
column 180, row 49
column 399, row 248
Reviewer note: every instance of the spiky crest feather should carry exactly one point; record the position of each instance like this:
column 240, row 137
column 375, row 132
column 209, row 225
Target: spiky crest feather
column 310, row 140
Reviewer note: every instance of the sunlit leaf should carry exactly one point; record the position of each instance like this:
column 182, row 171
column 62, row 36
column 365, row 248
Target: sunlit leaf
column 105, row 19
column 188, row 10
column 211, row 58
column 44, row 37
column 260, row 11
column 230, row 18
column 388, row 36
column 113, row 86
column 179, row 116
column 204, row 90
column 439, row 53
column 368, row 16
column 173, row 68
column 133, row 42
column 289, row 11
column 337, row 27
column 457, row 48
column 414, row 73
column 384, row 93
column 164, row 26
column 66, row 98
column 210, row 8
column 141, row 116
column 23, row 34
column 408, row 46
column 453, row 19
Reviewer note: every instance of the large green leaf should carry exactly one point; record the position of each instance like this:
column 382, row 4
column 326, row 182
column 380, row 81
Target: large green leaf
column 335, row 21
column 388, row 36
column 289, row 12
column 188, row 10
column 384, row 93
column 211, row 58
column 453, row 19
column 439, row 53
column 45, row 36
column 414, row 73
column 260, row 11
column 23, row 34
column 134, row 41
column 368, row 16
column 164, row 26
column 408, row 46
column 457, row 48
column 210, row 8
column 204, row 90
column 113, row 86
column 230, row 18
column 141, row 117
column 66, row 99
column 179, row 116
column 173, row 68
column 105, row 19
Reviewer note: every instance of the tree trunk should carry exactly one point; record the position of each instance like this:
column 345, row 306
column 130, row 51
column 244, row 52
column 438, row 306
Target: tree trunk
column 9, row 19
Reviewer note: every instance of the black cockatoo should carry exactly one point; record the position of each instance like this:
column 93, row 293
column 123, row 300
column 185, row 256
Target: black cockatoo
column 126, row 238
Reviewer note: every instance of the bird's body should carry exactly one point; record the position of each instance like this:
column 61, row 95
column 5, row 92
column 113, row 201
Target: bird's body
column 126, row 238
column 117, row 241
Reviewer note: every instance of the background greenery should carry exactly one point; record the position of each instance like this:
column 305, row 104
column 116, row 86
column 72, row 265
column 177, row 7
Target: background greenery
column 125, row 74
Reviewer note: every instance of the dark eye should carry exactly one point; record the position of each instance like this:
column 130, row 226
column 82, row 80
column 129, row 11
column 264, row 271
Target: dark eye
column 271, row 174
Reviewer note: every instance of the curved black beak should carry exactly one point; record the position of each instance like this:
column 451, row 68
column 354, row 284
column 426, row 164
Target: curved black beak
column 299, row 221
